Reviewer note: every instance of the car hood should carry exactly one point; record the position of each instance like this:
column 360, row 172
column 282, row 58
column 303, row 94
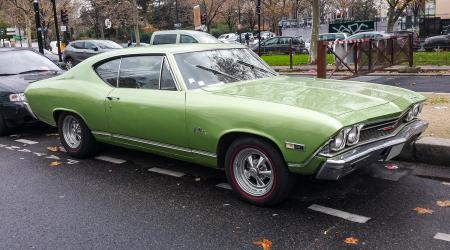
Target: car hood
column 332, row 97
column 18, row 83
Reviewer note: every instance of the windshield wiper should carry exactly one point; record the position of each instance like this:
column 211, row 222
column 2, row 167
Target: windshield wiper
column 217, row 72
column 37, row 70
column 254, row 67
column 7, row 74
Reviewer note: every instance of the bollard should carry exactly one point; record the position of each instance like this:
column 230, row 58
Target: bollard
column 322, row 59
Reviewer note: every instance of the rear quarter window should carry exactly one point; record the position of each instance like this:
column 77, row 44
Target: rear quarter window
column 165, row 39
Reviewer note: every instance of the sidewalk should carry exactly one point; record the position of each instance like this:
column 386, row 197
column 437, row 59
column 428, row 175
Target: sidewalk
column 397, row 69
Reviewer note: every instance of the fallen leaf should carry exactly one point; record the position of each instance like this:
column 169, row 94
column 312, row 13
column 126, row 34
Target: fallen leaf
column 351, row 240
column 421, row 210
column 265, row 244
column 55, row 163
column 53, row 149
column 445, row 203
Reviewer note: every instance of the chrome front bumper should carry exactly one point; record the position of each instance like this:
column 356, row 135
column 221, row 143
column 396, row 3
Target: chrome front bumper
column 338, row 166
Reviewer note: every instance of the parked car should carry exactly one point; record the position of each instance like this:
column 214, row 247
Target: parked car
column 220, row 105
column 441, row 42
column 415, row 37
column 227, row 38
column 370, row 34
column 331, row 37
column 267, row 34
column 80, row 50
column 181, row 36
column 281, row 44
column 54, row 58
column 23, row 67
column 125, row 45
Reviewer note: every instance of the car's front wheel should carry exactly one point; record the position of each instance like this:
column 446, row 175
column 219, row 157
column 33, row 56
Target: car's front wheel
column 76, row 136
column 256, row 171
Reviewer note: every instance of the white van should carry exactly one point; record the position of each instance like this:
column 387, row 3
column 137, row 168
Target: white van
column 181, row 36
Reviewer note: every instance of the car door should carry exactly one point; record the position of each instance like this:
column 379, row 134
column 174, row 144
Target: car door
column 270, row 45
column 89, row 50
column 147, row 109
column 77, row 53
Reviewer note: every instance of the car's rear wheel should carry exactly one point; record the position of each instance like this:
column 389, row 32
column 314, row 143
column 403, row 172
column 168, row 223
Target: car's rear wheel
column 256, row 171
column 3, row 128
column 76, row 136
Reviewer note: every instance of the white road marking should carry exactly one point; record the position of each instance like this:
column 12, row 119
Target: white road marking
column 10, row 148
column 339, row 213
column 110, row 159
column 14, row 147
column 442, row 236
column 71, row 162
column 53, row 157
column 224, row 185
column 2, row 145
column 24, row 150
column 167, row 172
column 39, row 154
column 25, row 141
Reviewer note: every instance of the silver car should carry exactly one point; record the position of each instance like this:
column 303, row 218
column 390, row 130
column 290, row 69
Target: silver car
column 80, row 50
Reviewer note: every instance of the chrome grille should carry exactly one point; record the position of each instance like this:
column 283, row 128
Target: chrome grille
column 380, row 129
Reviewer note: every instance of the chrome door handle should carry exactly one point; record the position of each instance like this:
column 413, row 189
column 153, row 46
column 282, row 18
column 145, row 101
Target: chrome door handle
column 112, row 98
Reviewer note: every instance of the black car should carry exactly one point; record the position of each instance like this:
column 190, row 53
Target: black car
column 18, row 69
column 281, row 45
column 437, row 42
column 77, row 51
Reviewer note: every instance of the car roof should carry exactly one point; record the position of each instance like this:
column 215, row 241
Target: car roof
column 188, row 32
column 4, row 49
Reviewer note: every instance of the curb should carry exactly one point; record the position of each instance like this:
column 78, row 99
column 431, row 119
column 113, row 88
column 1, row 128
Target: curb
column 430, row 150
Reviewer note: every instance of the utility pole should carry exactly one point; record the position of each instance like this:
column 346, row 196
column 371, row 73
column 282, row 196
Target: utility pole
column 37, row 16
column 258, row 12
column 55, row 18
column 176, row 11
column 239, row 21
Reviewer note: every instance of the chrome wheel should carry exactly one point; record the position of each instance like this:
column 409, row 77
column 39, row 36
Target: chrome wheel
column 71, row 131
column 253, row 172
column 69, row 64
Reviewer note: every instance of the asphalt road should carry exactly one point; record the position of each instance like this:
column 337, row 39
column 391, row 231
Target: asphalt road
column 437, row 84
column 96, row 204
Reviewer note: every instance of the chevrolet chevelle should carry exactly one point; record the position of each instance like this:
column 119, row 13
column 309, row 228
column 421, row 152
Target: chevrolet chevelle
column 221, row 106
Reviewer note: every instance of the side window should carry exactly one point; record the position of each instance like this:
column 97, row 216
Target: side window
column 284, row 40
column 187, row 39
column 89, row 45
column 271, row 41
column 78, row 45
column 140, row 72
column 165, row 39
column 108, row 71
column 167, row 82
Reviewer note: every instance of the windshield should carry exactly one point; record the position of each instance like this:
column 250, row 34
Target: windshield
column 204, row 68
column 108, row 45
column 21, row 61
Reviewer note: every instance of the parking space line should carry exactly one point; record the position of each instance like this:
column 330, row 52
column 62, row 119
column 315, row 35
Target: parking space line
column 25, row 141
column 442, row 236
column 110, row 159
column 167, row 172
column 339, row 213
column 224, row 185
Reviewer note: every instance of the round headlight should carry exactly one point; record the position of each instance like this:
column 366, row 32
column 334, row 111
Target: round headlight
column 416, row 109
column 410, row 115
column 353, row 136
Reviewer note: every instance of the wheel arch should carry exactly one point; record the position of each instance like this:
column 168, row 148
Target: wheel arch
column 227, row 138
column 57, row 112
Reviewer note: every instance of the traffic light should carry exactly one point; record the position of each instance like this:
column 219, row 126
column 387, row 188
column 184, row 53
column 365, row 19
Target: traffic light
column 203, row 18
column 64, row 16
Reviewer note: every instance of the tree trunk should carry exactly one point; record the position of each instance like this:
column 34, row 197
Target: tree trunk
column 137, row 35
column 28, row 30
column 391, row 19
column 102, row 30
column 314, row 32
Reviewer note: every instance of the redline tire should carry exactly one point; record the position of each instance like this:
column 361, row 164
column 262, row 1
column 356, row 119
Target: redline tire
column 256, row 171
column 79, row 143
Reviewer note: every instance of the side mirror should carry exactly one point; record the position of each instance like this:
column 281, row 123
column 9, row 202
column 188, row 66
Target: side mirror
column 62, row 65
column 95, row 49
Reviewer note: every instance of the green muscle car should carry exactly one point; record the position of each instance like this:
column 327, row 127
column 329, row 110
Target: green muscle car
column 221, row 106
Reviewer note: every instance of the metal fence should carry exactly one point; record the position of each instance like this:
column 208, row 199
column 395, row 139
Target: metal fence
column 361, row 56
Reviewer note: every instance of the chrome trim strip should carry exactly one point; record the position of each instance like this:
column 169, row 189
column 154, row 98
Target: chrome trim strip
column 157, row 144
column 29, row 110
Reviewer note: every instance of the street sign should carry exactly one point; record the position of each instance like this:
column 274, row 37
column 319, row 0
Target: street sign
column 63, row 28
column 10, row 31
column 108, row 23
